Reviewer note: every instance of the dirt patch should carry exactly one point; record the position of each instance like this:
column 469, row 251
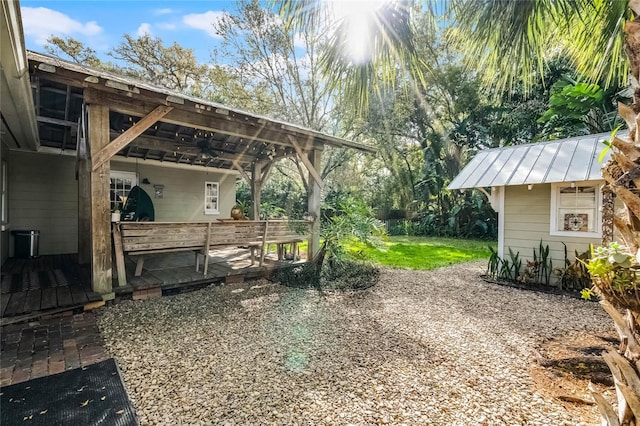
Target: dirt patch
column 566, row 367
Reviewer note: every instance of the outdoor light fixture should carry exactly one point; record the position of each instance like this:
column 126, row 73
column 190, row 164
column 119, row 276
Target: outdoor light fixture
column 529, row 187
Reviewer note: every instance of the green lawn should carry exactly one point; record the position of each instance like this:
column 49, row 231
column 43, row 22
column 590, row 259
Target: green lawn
column 421, row 252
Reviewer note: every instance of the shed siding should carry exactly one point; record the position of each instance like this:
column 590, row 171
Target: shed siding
column 526, row 221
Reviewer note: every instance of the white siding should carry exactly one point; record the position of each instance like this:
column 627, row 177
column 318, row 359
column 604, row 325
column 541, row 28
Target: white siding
column 44, row 196
column 183, row 191
column 526, row 222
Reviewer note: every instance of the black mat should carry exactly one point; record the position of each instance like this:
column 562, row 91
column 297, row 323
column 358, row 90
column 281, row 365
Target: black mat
column 92, row 395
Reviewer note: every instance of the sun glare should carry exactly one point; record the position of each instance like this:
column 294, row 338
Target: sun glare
column 359, row 19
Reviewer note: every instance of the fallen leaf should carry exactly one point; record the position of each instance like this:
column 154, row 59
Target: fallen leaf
column 84, row 404
column 103, row 398
column 43, row 412
column 120, row 412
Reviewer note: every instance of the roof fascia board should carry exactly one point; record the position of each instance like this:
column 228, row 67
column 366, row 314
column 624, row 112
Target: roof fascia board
column 46, row 150
column 17, row 105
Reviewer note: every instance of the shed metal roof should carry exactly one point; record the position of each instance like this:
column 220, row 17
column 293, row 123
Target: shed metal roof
column 565, row 160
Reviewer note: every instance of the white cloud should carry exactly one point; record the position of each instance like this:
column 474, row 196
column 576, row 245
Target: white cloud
column 203, row 21
column 144, row 29
column 40, row 23
column 165, row 11
column 166, row 25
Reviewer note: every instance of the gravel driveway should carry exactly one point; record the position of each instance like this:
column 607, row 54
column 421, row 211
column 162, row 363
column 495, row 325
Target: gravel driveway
column 422, row 347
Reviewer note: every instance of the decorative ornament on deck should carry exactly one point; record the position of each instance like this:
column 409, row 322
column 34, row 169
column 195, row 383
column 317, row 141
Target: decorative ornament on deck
column 238, row 211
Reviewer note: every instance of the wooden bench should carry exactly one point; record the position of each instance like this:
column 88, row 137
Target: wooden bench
column 142, row 238
column 240, row 233
column 283, row 232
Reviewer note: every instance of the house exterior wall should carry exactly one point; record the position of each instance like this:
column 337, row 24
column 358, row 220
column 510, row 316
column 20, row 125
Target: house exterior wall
column 183, row 198
column 527, row 216
column 43, row 196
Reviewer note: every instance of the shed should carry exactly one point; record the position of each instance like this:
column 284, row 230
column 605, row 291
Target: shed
column 547, row 191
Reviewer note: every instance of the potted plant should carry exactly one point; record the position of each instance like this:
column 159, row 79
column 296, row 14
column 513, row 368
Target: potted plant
column 239, row 211
column 116, row 212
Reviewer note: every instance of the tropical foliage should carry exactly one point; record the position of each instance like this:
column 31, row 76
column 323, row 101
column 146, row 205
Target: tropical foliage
column 507, row 42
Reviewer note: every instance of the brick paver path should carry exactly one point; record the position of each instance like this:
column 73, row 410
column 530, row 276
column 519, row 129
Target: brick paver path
column 51, row 346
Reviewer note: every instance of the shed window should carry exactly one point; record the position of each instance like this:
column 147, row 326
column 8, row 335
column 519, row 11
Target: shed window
column 211, row 195
column 575, row 210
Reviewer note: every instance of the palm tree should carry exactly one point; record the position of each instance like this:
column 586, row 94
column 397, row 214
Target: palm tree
column 506, row 40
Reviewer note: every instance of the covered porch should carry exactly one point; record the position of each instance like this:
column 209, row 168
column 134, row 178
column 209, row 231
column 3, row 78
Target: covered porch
column 191, row 150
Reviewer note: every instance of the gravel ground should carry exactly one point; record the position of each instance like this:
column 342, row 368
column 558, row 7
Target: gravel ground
column 422, row 347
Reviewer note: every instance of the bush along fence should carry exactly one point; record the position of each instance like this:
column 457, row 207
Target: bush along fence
column 572, row 276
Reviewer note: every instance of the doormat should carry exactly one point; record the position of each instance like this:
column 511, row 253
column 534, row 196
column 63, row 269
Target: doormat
column 91, row 395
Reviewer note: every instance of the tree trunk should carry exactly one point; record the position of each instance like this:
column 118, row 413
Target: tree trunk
column 622, row 176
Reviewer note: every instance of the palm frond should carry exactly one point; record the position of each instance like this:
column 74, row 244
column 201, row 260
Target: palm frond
column 391, row 55
column 595, row 42
column 511, row 41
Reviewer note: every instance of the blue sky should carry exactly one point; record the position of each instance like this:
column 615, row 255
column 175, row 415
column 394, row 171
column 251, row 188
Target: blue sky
column 100, row 24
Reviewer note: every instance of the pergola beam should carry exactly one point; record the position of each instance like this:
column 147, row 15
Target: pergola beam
column 305, row 160
column 197, row 119
column 243, row 173
column 127, row 137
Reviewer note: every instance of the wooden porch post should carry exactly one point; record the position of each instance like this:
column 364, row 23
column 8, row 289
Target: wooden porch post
column 256, row 189
column 314, row 199
column 99, row 204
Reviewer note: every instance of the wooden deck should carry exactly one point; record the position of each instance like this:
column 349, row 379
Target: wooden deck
column 44, row 284
column 48, row 284
column 174, row 270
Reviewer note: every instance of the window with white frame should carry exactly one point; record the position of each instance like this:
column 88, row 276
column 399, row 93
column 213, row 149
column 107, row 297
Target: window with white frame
column 211, row 198
column 575, row 209
column 121, row 184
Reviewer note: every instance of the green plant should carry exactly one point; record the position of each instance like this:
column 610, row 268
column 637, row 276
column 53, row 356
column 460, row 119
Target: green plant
column 538, row 270
column 615, row 275
column 504, row 269
column 510, row 269
column 269, row 210
column 493, row 267
column 574, row 275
